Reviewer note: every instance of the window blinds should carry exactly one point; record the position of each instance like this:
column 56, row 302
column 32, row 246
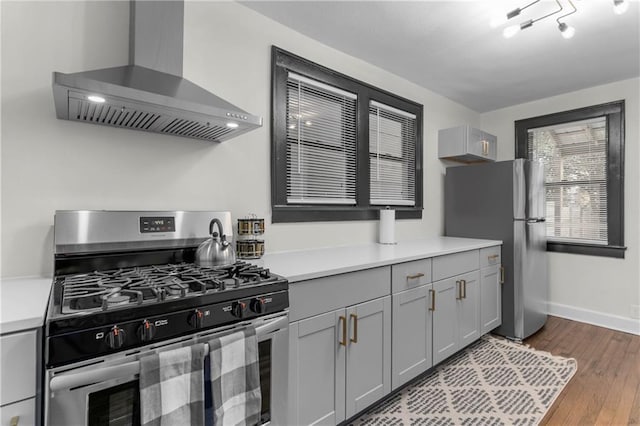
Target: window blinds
column 392, row 155
column 321, row 143
column 575, row 159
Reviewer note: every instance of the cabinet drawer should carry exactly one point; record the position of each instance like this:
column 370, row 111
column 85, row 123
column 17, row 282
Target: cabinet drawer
column 25, row 411
column 454, row 264
column 405, row 276
column 18, row 364
column 320, row 295
column 490, row 256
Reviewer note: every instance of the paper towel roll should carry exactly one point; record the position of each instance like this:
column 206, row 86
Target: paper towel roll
column 387, row 227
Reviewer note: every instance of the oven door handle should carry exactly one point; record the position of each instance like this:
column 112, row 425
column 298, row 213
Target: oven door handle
column 130, row 369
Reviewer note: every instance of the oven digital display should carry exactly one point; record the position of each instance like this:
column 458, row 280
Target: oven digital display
column 157, row 224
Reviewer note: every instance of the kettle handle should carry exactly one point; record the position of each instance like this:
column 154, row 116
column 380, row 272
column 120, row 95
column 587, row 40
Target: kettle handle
column 216, row 222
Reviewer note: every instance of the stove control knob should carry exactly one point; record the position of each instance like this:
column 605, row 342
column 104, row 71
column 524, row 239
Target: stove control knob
column 237, row 309
column 196, row 319
column 257, row 305
column 146, row 331
column 115, row 337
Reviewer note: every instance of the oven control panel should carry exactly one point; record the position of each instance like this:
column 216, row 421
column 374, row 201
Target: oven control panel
column 94, row 342
column 157, row 224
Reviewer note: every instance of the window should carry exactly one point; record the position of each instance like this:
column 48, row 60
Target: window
column 341, row 149
column 582, row 152
column 392, row 156
column 321, row 143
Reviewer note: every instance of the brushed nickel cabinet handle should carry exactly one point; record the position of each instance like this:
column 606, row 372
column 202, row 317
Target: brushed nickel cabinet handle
column 414, row 276
column 493, row 257
column 14, row 421
column 354, row 317
column 433, row 300
column 464, row 289
column 501, row 274
column 458, row 290
column 343, row 340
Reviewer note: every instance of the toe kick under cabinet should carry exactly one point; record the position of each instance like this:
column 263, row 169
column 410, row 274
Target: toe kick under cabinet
column 357, row 336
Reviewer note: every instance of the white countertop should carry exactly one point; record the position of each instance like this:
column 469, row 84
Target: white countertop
column 302, row 265
column 23, row 303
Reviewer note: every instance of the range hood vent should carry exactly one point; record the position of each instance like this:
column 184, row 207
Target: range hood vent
column 150, row 95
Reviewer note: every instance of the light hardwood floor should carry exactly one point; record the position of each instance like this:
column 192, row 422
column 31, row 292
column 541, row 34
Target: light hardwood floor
column 606, row 388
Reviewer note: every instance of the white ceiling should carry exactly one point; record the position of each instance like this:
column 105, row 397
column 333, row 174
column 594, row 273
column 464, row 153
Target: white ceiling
column 450, row 48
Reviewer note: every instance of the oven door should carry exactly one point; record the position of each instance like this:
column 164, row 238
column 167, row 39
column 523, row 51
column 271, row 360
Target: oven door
column 105, row 391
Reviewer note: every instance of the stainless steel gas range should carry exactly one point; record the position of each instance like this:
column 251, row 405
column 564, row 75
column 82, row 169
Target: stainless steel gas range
column 126, row 286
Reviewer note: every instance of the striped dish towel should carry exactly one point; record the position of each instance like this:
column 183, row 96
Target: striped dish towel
column 172, row 387
column 235, row 379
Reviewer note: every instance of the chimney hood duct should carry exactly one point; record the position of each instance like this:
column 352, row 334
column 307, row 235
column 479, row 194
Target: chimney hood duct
column 150, row 94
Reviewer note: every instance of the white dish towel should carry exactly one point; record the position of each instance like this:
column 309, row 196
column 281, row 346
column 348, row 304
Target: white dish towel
column 172, row 387
column 235, row 379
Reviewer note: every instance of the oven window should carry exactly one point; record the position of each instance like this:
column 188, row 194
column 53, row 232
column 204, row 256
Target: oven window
column 264, row 351
column 120, row 405
column 116, row 406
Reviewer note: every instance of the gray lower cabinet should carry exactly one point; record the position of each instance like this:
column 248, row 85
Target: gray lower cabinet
column 490, row 299
column 317, row 370
column 368, row 354
column 491, row 278
column 456, row 315
column 340, row 362
column 469, row 308
column 445, row 319
column 411, row 334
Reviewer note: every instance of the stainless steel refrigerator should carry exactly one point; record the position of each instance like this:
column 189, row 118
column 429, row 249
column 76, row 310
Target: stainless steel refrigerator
column 505, row 201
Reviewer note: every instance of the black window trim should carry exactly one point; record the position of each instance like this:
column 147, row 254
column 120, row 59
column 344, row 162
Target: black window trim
column 282, row 62
column 615, row 115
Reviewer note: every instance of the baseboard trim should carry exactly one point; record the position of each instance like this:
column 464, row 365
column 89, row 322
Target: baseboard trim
column 614, row 322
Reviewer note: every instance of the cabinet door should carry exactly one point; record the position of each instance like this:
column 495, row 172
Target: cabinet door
column 492, row 145
column 317, row 376
column 411, row 334
column 490, row 299
column 476, row 143
column 368, row 354
column 445, row 319
column 469, row 308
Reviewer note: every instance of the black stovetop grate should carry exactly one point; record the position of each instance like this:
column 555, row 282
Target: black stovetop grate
column 105, row 290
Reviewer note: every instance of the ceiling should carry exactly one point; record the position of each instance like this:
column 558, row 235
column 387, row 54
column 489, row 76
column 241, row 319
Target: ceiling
column 450, row 48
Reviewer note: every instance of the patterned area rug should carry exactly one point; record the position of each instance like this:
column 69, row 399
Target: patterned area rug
column 491, row 382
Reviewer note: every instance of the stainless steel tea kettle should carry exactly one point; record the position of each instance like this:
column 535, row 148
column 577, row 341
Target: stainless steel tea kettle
column 215, row 251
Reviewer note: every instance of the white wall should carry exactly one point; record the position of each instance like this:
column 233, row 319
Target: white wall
column 590, row 288
column 50, row 164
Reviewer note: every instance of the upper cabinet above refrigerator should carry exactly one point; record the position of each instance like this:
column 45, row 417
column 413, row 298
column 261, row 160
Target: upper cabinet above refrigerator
column 466, row 144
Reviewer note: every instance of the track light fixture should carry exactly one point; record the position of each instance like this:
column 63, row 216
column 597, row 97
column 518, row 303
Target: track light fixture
column 514, row 29
column 566, row 30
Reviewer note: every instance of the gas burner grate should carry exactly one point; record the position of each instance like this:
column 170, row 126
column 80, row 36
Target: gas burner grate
column 104, row 290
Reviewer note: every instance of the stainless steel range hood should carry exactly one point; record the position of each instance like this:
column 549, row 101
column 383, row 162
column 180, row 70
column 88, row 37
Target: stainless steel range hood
column 150, row 94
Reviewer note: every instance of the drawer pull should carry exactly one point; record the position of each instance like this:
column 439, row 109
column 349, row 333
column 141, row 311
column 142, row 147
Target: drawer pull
column 433, row 300
column 493, row 257
column 458, row 290
column 414, row 276
column 501, row 274
column 14, row 421
column 354, row 339
column 343, row 340
column 464, row 288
